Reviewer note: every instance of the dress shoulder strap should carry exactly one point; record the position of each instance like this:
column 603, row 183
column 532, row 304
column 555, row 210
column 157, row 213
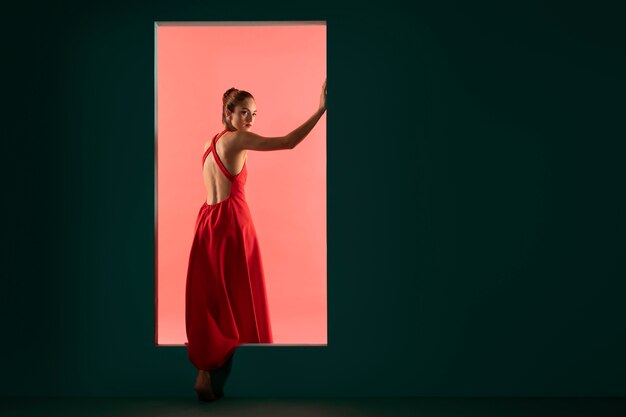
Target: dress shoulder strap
column 208, row 150
column 216, row 156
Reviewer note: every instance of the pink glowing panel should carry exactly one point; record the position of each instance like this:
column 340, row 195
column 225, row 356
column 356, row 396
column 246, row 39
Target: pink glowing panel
column 284, row 67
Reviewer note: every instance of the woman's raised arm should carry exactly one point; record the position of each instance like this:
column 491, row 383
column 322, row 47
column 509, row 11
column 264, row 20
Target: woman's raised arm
column 248, row 140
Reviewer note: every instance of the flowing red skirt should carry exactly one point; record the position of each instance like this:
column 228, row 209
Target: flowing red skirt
column 225, row 299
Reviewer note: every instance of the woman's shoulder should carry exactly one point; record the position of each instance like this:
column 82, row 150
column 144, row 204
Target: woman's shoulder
column 227, row 140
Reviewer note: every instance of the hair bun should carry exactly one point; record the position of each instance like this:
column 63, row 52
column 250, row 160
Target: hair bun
column 230, row 91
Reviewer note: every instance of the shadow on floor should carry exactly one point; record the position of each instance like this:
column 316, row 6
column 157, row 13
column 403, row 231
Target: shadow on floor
column 305, row 407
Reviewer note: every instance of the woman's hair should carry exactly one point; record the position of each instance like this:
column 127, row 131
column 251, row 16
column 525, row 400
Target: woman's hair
column 232, row 98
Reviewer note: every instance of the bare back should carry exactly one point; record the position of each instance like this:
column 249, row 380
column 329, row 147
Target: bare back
column 216, row 184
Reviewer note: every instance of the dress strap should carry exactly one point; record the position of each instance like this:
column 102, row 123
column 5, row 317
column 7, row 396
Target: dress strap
column 208, row 150
column 216, row 156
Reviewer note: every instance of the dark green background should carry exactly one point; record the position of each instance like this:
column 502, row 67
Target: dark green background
column 476, row 204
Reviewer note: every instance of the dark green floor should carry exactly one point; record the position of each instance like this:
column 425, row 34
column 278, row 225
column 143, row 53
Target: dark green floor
column 303, row 407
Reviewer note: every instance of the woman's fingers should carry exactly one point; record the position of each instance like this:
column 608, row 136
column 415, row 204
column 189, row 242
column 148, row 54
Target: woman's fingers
column 323, row 96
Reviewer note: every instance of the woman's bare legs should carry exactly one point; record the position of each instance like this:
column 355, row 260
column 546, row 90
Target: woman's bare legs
column 210, row 385
column 203, row 386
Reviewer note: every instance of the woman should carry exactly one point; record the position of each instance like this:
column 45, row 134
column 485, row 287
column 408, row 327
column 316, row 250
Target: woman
column 225, row 299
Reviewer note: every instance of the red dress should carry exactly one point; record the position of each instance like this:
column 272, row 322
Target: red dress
column 225, row 298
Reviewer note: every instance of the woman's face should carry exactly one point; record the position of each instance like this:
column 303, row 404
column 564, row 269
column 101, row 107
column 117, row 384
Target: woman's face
column 243, row 116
